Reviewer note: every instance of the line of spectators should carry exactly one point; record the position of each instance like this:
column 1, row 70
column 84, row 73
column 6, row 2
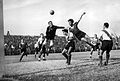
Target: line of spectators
column 11, row 44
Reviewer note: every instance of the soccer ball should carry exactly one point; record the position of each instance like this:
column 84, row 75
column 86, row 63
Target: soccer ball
column 52, row 12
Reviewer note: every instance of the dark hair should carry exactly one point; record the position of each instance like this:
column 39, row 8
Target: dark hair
column 49, row 22
column 71, row 20
column 41, row 34
column 106, row 24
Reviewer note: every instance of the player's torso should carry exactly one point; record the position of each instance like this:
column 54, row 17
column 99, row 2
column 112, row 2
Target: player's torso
column 52, row 29
column 74, row 29
column 23, row 45
column 95, row 41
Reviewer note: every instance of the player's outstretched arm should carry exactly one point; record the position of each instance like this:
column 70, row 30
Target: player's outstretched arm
column 81, row 17
column 60, row 27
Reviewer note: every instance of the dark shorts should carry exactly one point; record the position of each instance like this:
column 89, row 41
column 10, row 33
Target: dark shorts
column 36, row 50
column 96, row 46
column 80, row 35
column 40, row 45
column 70, row 44
column 107, row 45
column 43, row 48
column 50, row 37
column 23, row 50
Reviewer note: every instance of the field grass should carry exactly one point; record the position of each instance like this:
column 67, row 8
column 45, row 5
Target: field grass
column 55, row 69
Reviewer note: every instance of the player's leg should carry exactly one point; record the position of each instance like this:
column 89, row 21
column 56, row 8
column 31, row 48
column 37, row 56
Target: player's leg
column 109, row 48
column 39, row 55
column 101, row 57
column 22, row 54
column 44, row 52
column 44, row 45
column 35, row 52
column 64, row 53
column 40, row 52
column 44, row 56
column 69, row 54
column 98, row 49
column 107, row 57
column 103, row 49
column 51, row 45
column 92, row 49
column 87, row 39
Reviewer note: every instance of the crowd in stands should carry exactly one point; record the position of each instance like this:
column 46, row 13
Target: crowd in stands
column 11, row 44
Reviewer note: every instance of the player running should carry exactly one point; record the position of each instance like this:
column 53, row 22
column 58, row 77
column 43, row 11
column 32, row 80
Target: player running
column 23, row 47
column 42, row 49
column 96, row 46
column 70, row 46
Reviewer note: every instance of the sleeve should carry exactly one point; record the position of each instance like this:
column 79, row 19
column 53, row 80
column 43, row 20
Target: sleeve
column 114, row 35
column 100, row 35
column 59, row 27
column 47, row 31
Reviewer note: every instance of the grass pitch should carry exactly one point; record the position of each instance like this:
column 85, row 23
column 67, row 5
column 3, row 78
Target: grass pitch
column 55, row 69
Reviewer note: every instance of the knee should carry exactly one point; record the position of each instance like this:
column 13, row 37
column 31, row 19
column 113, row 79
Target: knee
column 64, row 51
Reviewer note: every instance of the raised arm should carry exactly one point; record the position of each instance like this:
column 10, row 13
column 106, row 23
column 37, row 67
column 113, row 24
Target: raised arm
column 81, row 17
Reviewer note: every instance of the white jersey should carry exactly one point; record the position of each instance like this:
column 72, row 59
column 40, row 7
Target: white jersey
column 40, row 40
column 36, row 45
column 105, row 36
column 69, row 37
column 94, row 41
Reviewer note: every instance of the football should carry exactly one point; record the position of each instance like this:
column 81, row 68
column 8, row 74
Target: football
column 52, row 12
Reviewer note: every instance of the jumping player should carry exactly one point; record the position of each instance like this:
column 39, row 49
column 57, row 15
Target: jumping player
column 23, row 47
column 70, row 46
column 96, row 46
column 106, row 36
column 79, row 35
column 50, row 34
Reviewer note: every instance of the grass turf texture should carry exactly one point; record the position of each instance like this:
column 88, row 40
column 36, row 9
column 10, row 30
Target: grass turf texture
column 81, row 69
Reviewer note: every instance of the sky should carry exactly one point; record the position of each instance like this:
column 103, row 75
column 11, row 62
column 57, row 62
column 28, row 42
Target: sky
column 30, row 17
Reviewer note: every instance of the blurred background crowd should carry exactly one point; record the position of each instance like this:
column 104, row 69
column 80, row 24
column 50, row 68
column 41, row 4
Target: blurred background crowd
column 12, row 42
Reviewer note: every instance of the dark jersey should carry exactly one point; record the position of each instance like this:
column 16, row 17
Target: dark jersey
column 23, row 45
column 77, row 32
column 51, row 31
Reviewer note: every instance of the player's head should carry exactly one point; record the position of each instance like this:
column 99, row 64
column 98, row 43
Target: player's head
column 65, row 31
column 95, row 35
column 50, row 23
column 106, row 25
column 70, row 21
column 41, row 35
